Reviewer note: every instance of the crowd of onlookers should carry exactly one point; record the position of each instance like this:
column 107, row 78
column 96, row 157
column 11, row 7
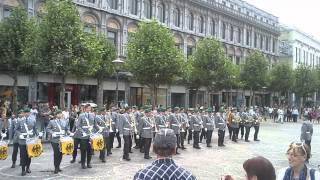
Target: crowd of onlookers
column 293, row 114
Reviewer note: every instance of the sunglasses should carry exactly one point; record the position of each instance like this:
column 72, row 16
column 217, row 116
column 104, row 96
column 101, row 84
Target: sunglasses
column 299, row 145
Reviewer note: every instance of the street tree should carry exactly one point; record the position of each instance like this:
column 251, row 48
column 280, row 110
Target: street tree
column 153, row 58
column 254, row 73
column 61, row 42
column 101, row 53
column 16, row 34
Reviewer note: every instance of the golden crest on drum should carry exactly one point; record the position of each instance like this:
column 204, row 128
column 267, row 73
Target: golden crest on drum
column 97, row 142
column 3, row 150
column 34, row 148
column 66, row 145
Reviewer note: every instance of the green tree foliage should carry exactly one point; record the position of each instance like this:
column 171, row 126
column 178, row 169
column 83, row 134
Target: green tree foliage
column 101, row 54
column 254, row 73
column 16, row 35
column 153, row 58
column 61, row 43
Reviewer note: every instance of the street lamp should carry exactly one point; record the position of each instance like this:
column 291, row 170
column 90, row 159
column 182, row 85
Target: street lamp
column 117, row 62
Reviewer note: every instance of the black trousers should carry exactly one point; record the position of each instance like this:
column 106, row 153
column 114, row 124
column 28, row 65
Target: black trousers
column 178, row 140
column 230, row 131
column 256, row 132
column 15, row 152
column 71, row 123
column 234, row 134
column 136, row 140
column 182, row 138
column 111, row 136
column 127, row 145
column 221, row 134
column 203, row 134
column 209, row 136
column 25, row 160
column 107, row 147
column 196, row 138
column 241, row 130
column 57, row 155
column 86, row 151
column 76, row 142
column 147, row 145
column 118, row 138
column 247, row 133
column 189, row 135
column 308, row 142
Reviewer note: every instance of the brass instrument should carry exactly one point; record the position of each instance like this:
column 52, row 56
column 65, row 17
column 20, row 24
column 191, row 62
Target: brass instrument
column 153, row 124
column 133, row 123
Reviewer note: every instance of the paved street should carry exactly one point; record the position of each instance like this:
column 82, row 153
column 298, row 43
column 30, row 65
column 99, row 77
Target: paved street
column 205, row 163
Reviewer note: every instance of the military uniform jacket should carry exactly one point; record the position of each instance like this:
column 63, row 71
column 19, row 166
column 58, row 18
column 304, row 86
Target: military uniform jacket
column 160, row 121
column 235, row 119
column 146, row 130
column 76, row 131
column 124, row 125
column 13, row 135
column 27, row 128
column 184, row 120
column 195, row 122
column 248, row 120
column 59, row 127
column 174, row 123
column 102, row 125
column 256, row 121
column 208, row 122
column 306, row 131
column 114, row 117
column 86, row 124
column 220, row 122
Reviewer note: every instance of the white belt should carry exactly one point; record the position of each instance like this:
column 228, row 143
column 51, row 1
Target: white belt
column 147, row 128
column 220, row 123
column 126, row 128
column 86, row 126
column 209, row 124
column 162, row 126
column 174, row 124
column 308, row 132
column 196, row 125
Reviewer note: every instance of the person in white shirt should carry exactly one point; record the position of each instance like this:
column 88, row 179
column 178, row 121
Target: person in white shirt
column 295, row 114
column 66, row 114
column 280, row 115
column 34, row 113
column 298, row 156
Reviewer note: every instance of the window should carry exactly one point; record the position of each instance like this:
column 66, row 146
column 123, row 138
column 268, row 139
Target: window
column 255, row 40
column 190, row 20
column 248, row 38
column 267, row 43
column 113, row 4
column 213, row 27
column 231, row 33
column 112, row 37
column 176, row 17
column 237, row 60
column 296, row 54
column 161, row 13
column 299, row 55
column 224, row 3
column 148, row 9
column 134, row 7
column 6, row 12
column 89, row 28
column 239, row 35
column 223, row 31
column 232, row 6
column 261, row 42
column 91, row 1
column 274, row 46
column 189, row 51
column 201, row 25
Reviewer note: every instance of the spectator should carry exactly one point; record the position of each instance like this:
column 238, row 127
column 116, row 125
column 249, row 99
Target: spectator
column 295, row 114
column 33, row 113
column 298, row 155
column 164, row 167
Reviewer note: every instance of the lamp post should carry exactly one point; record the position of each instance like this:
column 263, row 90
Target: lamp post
column 117, row 62
column 264, row 95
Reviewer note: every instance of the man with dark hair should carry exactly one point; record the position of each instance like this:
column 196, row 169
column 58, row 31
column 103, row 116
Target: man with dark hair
column 164, row 167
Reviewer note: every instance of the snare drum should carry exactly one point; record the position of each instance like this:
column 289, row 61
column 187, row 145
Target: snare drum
column 97, row 142
column 34, row 147
column 66, row 145
column 3, row 150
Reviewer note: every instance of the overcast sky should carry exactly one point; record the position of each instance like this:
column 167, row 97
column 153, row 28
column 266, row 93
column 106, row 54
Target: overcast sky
column 303, row 14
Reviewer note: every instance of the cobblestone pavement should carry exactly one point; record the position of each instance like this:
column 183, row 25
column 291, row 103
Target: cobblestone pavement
column 207, row 163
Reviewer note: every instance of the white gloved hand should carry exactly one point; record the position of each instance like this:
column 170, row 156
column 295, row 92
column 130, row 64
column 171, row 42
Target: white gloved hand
column 121, row 135
column 21, row 136
column 3, row 135
column 192, row 130
column 138, row 137
column 54, row 134
column 205, row 129
column 117, row 130
column 40, row 134
column 84, row 134
column 71, row 134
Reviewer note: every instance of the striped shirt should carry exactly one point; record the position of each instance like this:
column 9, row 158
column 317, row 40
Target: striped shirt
column 164, row 169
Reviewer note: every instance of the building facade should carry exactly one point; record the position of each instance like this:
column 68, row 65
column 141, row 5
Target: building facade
column 240, row 27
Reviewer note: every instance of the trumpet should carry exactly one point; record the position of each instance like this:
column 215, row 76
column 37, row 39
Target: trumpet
column 110, row 125
column 153, row 124
column 133, row 123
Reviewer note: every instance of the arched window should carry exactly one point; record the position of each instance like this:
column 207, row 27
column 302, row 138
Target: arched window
column 190, row 20
column 161, row 13
column 255, row 40
column 201, row 24
column 213, row 27
column 224, row 27
column 231, row 33
column 134, row 7
column 113, row 4
column 239, row 35
column 148, row 8
column 176, row 17
column 90, row 23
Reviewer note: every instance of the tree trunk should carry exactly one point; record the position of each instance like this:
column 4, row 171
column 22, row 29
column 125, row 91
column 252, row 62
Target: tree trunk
column 152, row 97
column 253, row 98
column 250, row 99
column 62, row 92
column 155, row 95
column 100, row 93
column 231, row 98
column 14, row 93
column 197, row 98
column 279, row 98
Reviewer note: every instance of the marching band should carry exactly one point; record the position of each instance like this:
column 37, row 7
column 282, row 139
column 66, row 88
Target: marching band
column 95, row 131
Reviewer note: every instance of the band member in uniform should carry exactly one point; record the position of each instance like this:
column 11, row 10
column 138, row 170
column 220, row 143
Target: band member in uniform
column 86, row 124
column 248, row 125
column 125, row 130
column 137, row 118
column 146, row 132
column 203, row 130
column 233, row 117
column 25, row 128
column 111, row 129
column 57, row 128
column 243, row 117
column 221, row 125
column 115, row 133
column 102, row 128
column 15, row 137
column 256, row 125
column 184, row 127
column 190, row 113
column 160, row 119
column 195, row 125
column 76, row 140
column 208, row 124
column 229, row 116
column 174, row 124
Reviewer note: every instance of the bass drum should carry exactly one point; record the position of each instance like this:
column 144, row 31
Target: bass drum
column 3, row 150
column 34, row 147
column 97, row 142
column 66, row 145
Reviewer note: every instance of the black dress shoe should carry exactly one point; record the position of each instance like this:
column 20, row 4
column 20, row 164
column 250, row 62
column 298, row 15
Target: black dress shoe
column 209, row 146
column 119, row 146
column 59, row 170
column 83, row 166
column 256, row 140
column 56, row 171
column 136, row 147
column 147, row 157
column 247, row 141
column 127, row 159
column 177, row 153
column 28, row 170
column 13, row 165
column 130, row 152
column 23, row 173
column 89, row 166
column 183, row 148
column 197, row 147
column 73, row 161
column 103, row 160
